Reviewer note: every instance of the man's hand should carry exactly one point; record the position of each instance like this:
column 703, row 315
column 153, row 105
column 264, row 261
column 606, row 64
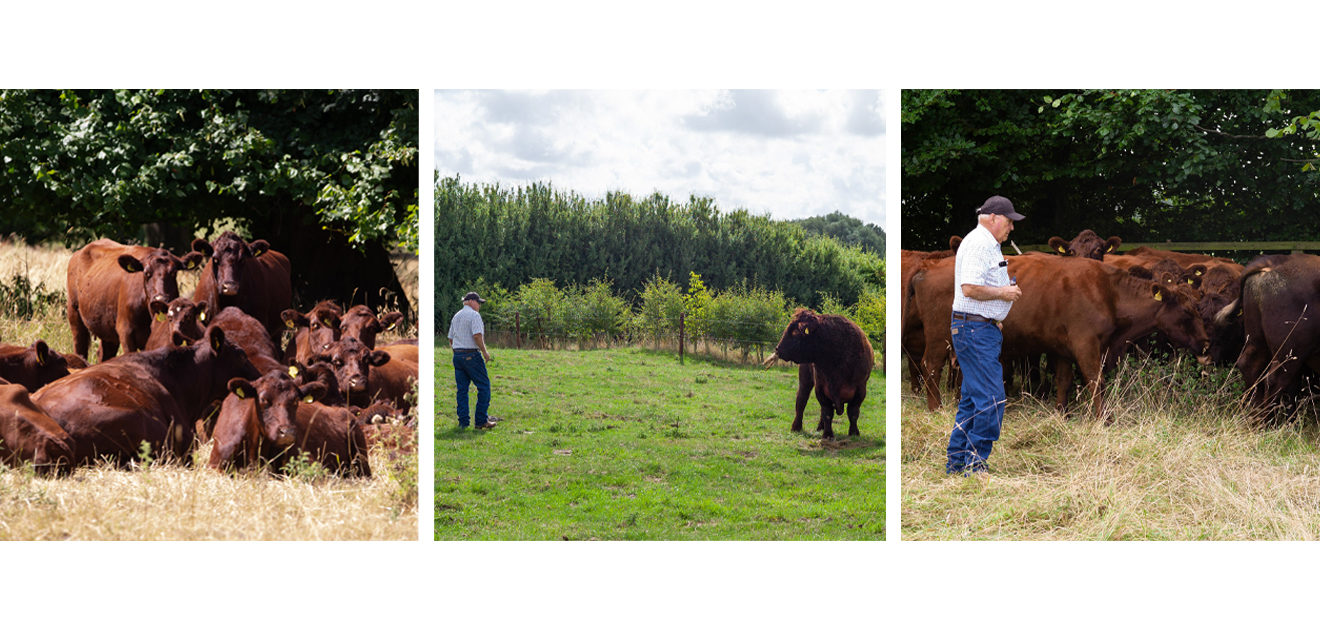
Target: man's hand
column 1010, row 293
column 486, row 355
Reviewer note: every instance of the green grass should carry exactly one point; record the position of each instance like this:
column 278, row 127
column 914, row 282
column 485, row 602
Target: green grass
column 628, row 444
column 1179, row 461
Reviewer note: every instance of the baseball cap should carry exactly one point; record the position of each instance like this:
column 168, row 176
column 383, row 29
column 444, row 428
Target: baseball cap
column 999, row 205
column 472, row 295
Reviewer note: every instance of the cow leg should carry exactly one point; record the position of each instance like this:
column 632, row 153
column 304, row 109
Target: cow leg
column 109, row 348
column 855, row 410
column 82, row 338
column 826, row 425
column 805, row 383
column 932, row 364
column 126, row 338
column 1063, row 380
column 1089, row 362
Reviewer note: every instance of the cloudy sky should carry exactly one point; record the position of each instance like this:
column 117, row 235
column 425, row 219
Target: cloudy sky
column 789, row 154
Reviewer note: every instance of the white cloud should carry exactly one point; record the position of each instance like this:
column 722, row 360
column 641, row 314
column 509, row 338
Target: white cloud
column 790, row 154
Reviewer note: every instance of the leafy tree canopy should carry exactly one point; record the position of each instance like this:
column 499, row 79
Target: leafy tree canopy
column 847, row 230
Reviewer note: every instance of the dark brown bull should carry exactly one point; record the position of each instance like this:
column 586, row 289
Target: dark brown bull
column 1087, row 244
column 110, row 288
column 32, row 366
column 313, row 331
column 361, row 322
column 250, row 276
column 1072, row 309
column 27, row 434
column 841, row 360
column 1278, row 307
column 111, row 408
column 258, row 420
column 179, row 322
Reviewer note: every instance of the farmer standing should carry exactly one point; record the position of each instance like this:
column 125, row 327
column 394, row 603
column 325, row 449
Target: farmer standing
column 466, row 332
column 983, row 296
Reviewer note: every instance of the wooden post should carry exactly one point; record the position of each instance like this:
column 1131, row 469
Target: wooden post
column 517, row 330
column 682, row 322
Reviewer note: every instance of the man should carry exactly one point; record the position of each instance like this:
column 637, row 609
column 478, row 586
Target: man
column 982, row 298
column 466, row 337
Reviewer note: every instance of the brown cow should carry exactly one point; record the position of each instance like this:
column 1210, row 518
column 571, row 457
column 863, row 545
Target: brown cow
column 32, row 366
column 313, row 331
column 393, row 381
column 247, row 333
column 841, row 360
column 257, row 420
column 1072, row 309
column 911, row 338
column 111, row 408
column 110, row 287
column 352, row 362
column 178, row 322
column 361, row 322
column 27, row 434
column 251, row 276
column 1183, row 259
column 1087, row 244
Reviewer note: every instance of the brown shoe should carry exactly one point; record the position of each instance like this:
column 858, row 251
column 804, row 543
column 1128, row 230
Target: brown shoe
column 490, row 424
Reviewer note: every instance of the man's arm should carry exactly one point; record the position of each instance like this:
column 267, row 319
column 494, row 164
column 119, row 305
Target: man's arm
column 481, row 343
column 1009, row 293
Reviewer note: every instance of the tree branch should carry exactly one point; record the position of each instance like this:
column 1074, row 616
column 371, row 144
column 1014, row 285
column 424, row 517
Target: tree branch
column 1230, row 135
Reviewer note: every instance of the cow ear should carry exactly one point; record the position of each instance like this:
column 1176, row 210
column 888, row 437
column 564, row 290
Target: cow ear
column 215, row 336
column 259, row 247
column 1138, row 271
column 293, row 319
column 42, row 351
column 159, row 309
column 954, row 242
column 129, row 263
column 1197, row 270
column 193, row 260
column 203, row 247
column 392, row 319
column 1112, row 243
column 242, row 388
column 1059, row 245
column 378, row 358
column 313, row 391
column 1158, row 291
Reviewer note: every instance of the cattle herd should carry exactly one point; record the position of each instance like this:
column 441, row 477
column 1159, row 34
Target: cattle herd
column 1085, row 306
column 207, row 368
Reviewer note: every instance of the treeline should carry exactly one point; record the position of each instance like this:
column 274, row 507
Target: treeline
column 742, row 318
column 847, row 230
column 507, row 236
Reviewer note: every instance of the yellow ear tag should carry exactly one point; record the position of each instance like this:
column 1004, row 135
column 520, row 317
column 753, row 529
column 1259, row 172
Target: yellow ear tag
column 307, row 398
column 1198, row 272
column 185, row 343
column 391, row 326
column 41, row 359
column 239, row 393
column 160, row 317
column 201, row 317
column 806, row 331
column 1158, row 296
column 293, row 371
column 289, row 324
column 1189, row 281
column 1061, row 250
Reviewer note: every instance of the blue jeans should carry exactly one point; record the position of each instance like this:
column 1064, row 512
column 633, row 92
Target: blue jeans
column 981, row 408
column 469, row 369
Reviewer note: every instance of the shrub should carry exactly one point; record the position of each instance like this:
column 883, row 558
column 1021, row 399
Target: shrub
column 662, row 307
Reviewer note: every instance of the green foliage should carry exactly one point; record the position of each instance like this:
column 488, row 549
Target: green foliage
column 869, row 314
column 542, row 305
column 847, row 230
column 304, row 468
column 661, row 308
column 593, row 310
column 695, row 305
column 1146, row 165
column 84, row 163
column 511, row 235
column 20, row 298
column 749, row 319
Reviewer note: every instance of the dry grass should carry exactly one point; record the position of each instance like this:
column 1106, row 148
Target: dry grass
column 178, row 502
column 1179, row 461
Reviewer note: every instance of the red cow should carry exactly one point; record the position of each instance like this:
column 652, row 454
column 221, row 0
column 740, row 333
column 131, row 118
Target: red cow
column 111, row 408
column 32, row 366
column 110, row 287
column 841, row 360
column 393, row 381
column 27, row 434
column 1087, row 244
column 313, row 331
column 178, row 322
column 251, row 276
column 361, row 322
column 352, row 362
column 247, row 333
column 257, row 420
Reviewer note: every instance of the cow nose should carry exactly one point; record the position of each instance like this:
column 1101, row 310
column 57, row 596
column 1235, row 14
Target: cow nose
column 228, row 288
column 285, row 437
column 160, row 298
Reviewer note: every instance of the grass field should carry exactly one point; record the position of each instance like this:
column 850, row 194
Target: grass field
column 1179, row 461
column 628, row 444
column 177, row 502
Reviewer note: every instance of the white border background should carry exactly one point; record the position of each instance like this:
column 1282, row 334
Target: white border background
column 679, row 44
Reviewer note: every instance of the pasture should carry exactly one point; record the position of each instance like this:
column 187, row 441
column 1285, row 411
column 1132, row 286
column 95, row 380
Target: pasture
column 1180, row 461
column 177, row 501
column 627, row 444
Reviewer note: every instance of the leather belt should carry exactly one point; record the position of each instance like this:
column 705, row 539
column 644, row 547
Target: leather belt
column 972, row 317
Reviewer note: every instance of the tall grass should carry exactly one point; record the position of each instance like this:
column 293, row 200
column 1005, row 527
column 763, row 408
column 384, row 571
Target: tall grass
column 1179, row 459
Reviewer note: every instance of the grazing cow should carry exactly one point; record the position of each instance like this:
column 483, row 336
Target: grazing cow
column 257, row 420
column 1278, row 311
column 27, row 434
column 352, row 362
column 1072, row 309
column 393, row 381
column 361, row 322
column 313, row 331
column 178, row 322
column 110, row 287
column 32, row 366
column 1087, row 244
column 248, row 334
column 251, row 276
column 841, row 360
column 111, row 408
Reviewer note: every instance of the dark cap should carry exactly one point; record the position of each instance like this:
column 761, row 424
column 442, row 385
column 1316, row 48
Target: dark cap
column 472, row 295
column 999, row 205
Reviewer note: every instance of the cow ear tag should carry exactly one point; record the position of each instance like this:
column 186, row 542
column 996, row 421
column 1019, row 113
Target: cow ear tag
column 289, row 324
column 307, row 398
column 201, row 317
column 1198, row 272
column 160, row 317
column 1189, row 281
column 1158, row 296
column 806, row 331
column 41, row 359
column 1060, row 250
column 185, row 343
column 239, row 392
column 293, row 371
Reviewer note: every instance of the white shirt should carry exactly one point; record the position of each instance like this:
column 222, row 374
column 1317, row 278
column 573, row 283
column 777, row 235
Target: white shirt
column 980, row 261
column 466, row 323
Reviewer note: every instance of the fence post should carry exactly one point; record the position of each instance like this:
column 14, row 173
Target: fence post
column 682, row 321
column 517, row 330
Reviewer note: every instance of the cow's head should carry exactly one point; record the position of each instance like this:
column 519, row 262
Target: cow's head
column 160, row 271
column 317, row 328
column 276, row 396
column 1087, row 244
column 40, row 365
column 361, row 322
column 1179, row 318
column 184, row 319
column 352, row 362
column 228, row 254
column 801, row 341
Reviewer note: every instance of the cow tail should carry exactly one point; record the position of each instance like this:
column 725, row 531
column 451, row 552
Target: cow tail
column 1260, row 265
